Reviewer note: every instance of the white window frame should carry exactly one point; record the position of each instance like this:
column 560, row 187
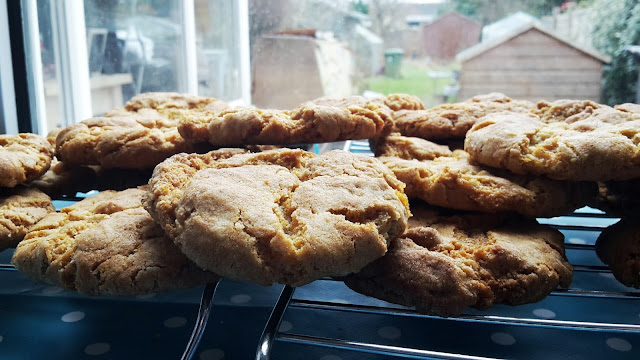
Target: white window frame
column 8, row 112
column 72, row 64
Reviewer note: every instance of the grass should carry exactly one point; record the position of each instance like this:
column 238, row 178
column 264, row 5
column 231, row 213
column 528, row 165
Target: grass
column 415, row 81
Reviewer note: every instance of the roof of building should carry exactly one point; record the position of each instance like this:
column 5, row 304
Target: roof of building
column 503, row 30
column 449, row 14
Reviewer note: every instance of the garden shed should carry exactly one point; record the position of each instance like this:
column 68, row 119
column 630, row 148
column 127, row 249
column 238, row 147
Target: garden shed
column 531, row 62
column 448, row 34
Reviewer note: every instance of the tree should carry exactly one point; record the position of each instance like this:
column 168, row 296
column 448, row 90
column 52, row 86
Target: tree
column 617, row 25
column 488, row 11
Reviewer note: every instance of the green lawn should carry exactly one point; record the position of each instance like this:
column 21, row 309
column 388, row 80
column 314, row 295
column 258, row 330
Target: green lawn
column 415, row 81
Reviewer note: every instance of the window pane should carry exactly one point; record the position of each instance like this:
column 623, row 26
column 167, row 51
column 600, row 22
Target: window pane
column 217, row 49
column 132, row 46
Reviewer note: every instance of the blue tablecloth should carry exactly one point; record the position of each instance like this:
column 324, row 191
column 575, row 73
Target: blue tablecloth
column 39, row 321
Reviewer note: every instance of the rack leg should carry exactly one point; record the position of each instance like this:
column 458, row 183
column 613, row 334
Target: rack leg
column 201, row 322
column 271, row 328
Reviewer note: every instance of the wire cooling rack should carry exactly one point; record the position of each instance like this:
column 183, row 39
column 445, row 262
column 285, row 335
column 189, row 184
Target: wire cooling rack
column 597, row 317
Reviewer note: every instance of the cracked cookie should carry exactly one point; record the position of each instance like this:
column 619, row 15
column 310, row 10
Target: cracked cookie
column 285, row 216
column 398, row 102
column 619, row 247
column 453, row 182
column 451, row 121
column 106, row 244
column 20, row 209
column 445, row 263
column 138, row 136
column 566, row 140
column 406, row 147
column 23, row 157
column 322, row 120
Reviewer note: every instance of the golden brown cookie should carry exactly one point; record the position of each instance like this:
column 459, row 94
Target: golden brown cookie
column 592, row 145
column 406, row 147
column 322, row 120
column 20, row 209
column 65, row 179
column 453, row 182
column 449, row 121
column 618, row 198
column 52, row 135
column 628, row 107
column 619, row 247
column 138, row 136
column 444, row 264
column 284, row 216
column 398, row 102
column 23, row 157
column 106, row 244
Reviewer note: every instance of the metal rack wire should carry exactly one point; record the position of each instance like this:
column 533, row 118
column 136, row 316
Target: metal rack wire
column 487, row 319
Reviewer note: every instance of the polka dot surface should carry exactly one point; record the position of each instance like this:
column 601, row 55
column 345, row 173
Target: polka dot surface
column 51, row 290
column 97, row 349
column 175, row 322
column 285, row 326
column 544, row 313
column 73, row 316
column 618, row 344
column 212, row 354
column 330, row 357
column 389, row 332
column 501, row 338
column 240, row 299
column 576, row 241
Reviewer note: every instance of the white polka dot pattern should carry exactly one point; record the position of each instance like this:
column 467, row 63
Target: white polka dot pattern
column 175, row 322
column 619, row 344
column 285, row 326
column 330, row 357
column 544, row 313
column 240, row 299
column 389, row 332
column 97, row 349
column 51, row 290
column 501, row 338
column 212, row 354
column 73, row 316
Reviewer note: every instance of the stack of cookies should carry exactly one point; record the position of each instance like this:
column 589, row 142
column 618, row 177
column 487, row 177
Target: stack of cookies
column 204, row 212
column 478, row 173
column 193, row 190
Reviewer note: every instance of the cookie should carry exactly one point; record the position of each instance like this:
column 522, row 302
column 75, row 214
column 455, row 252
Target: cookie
column 138, row 136
column 598, row 144
column 106, row 244
column 406, row 147
column 444, row 264
column 322, row 120
column 451, row 121
column 618, row 198
column 52, row 135
column 619, row 247
column 453, row 182
column 23, row 157
column 20, row 209
column 285, row 216
column 398, row 102
column 64, row 179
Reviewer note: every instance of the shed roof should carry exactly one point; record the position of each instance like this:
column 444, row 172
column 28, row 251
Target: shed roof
column 515, row 30
column 443, row 17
